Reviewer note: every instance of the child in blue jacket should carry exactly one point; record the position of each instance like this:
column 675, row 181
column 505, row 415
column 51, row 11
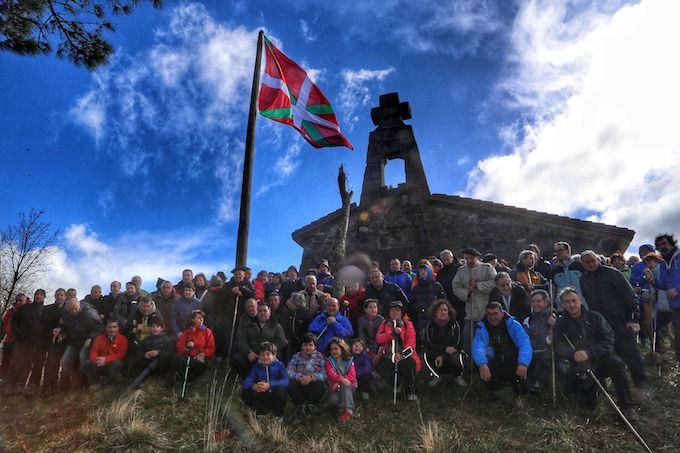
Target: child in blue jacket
column 265, row 387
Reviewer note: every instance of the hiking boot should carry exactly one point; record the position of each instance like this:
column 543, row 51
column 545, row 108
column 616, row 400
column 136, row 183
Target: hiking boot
column 412, row 397
column 345, row 416
column 313, row 409
column 519, row 402
column 460, row 381
column 435, row 381
column 301, row 411
column 29, row 391
column 365, row 396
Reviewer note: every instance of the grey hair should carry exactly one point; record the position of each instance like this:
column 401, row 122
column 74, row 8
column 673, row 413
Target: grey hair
column 445, row 252
column 310, row 277
column 590, row 252
column 524, row 253
column 568, row 290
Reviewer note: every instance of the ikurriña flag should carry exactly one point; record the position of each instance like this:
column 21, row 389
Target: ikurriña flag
column 289, row 96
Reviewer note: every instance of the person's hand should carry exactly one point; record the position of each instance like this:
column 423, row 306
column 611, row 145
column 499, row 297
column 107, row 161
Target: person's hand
column 236, row 290
column 450, row 349
column 290, row 305
column 139, row 327
column 397, row 357
column 320, row 286
column 438, row 361
column 330, row 320
column 305, row 379
column 485, row 373
column 190, row 344
column 200, row 357
column 56, row 331
column 336, row 387
column 101, row 361
column 672, row 293
column 472, row 285
column 634, row 326
column 521, row 371
column 252, row 357
column 87, row 342
column 260, row 387
column 580, row 356
column 649, row 276
column 552, row 320
column 397, row 331
column 345, row 382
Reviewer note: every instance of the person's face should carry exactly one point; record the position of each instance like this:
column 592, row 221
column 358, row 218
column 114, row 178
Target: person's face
column 336, row 351
column 371, row 309
column 239, row 276
column 71, row 293
column 73, row 308
column 112, row 329
column 95, row 292
column 376, row 279
column 357, row 348
column 251, row 308
column 167, row 289
column 187, row 277
column 395, row 313
column 38, row 297
column 115, row 287
column 60, row 297
column 562, row 252
column 352, row 288
column 663, row 245
column 189, row 292
column 19, row 300
column 200, row 281
column 197, row 320
column 310, row 285
column 529, row 260
column 618, row 263
column 422, row 273
column 274, row 302
column 590, row 263
column 538, row 303
column 266, row 358
column 332, row 307
column 323, row 269
column 263, row 313
column 447, row 259
column 137, row 281
column 471, row 260
column 572, row 304
column 130, row 289
column 308, row 348
column 275, row 279
column 504, row 285
column 442, row 313
column 406, row 267
column 493, row 262
column 156, row 329
column 146, row 308
column 651, row 263
column 395, row 265
column 292, row 275
column 494, row 316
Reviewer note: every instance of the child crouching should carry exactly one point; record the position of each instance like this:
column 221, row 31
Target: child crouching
column 265, row 387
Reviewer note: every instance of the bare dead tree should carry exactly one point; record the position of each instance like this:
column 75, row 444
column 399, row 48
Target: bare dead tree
column 346, row 198
column 25, row 251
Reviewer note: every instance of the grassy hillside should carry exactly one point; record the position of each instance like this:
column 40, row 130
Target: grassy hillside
column 446, row 419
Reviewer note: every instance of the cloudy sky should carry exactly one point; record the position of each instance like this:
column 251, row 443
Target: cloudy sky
column 565, row 107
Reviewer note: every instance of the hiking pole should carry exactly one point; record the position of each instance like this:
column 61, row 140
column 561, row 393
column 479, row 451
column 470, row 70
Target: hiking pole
column 469, row 303
column 394, row 360
column 186, row 377
column 552, row 349
column 140, row 378
column 233, row 328
column 599, row 384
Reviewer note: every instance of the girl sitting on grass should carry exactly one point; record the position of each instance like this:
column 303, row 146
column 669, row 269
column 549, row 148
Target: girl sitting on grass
column 364, row 366
column 342, row 380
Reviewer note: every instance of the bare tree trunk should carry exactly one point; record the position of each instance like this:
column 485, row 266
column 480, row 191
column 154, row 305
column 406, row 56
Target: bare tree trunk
column 25, row 249
column 346, row 198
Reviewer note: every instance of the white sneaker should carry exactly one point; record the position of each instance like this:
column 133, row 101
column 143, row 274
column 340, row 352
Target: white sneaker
column 412, row 397
column 460, row 381
column 435, row 381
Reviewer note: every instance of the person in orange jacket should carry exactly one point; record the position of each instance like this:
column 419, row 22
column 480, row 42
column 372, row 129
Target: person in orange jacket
column 197, row 344
column 106, row 356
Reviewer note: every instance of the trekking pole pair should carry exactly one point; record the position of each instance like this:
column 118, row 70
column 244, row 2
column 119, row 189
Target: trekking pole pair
column 618, row 411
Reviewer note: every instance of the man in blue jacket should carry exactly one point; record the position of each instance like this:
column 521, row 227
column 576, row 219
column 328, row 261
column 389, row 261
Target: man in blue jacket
column 502, row 350
column 330, row 323
column 669, row 279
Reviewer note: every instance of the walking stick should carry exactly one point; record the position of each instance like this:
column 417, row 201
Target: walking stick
column 394, row 360
column 469, row 303
column 618, row 411
column 552, row 349
column 186, row 377
column 140, row 378
column 233, row 328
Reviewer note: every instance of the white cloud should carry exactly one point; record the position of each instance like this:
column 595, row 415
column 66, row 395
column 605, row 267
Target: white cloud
column 84, row 260
column 89, row 113
column 463, row 160
column 355, row 93
column 283, row 169
column 307, row 33
column 601, row 95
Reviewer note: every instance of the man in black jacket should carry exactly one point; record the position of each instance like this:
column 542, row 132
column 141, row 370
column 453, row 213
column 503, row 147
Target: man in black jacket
column 512, row 296
column 608, row 292
column 30, row 345
column 384, row 292
column 593, row 348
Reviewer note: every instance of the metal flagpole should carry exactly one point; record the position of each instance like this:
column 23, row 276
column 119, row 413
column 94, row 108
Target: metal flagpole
column 246, row 185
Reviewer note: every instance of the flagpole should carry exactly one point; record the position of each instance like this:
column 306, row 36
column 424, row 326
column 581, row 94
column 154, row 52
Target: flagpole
column 246, row 185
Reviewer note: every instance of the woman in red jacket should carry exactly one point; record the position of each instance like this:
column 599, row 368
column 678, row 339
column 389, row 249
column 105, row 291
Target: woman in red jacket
column 198, row 343
column 397, row 354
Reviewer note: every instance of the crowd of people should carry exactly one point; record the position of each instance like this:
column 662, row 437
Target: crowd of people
column 578, row 316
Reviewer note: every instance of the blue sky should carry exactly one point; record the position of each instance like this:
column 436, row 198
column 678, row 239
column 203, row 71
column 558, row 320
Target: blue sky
column 565, row 107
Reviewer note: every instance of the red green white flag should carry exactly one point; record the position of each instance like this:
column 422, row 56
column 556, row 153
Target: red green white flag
column 289, row 96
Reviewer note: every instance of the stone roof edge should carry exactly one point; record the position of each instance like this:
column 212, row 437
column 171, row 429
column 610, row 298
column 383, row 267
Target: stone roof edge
column 476, row 203
column 320, row 221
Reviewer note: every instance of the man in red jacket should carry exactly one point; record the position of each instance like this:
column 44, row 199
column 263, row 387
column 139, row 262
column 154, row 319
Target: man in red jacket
column 106, row 356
